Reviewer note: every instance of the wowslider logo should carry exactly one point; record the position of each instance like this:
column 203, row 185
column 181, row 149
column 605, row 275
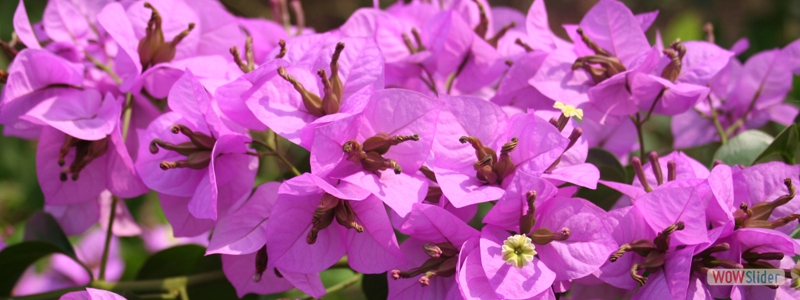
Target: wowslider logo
column 746, row 277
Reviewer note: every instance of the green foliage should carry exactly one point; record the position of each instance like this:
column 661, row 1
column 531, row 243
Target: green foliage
column 43, row 237
column 187, row 260
column 16, row 258
column 784, row 146
column 375, row 286
column 43, row 227
column 611, row 170
column 744, row 148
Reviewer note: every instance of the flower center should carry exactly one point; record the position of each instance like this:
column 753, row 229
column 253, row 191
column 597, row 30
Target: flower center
column 85, row 153
column 654, row 252
column 331, row 208
column 758, row 215
column 442, row 262
column 197, row 150
column 152, row 47
column 370, row 154
column 518, row 250
column 489, row 167
column 332, row 86
column 602, row 65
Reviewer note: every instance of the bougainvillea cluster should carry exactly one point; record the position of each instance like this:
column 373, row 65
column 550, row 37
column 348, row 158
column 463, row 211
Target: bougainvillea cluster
column 413, row 116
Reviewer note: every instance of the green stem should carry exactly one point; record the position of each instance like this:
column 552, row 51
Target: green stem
column 341, row 264
column 429, row 81
column 340, row 286
column 103, row 67
column 274, row 152
column 452, row 78
column 637, row 121
column 741, row 119
column 126, row 115
column 723, row 137
column 107, row 246
column 51, row 294
column 172, row 284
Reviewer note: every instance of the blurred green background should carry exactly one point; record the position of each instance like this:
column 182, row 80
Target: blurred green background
column 766, row 23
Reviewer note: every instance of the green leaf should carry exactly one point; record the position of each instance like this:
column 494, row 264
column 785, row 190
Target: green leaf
column 744, row 148
column 16, row 258
column 175, row 261
column 785, row 145
column 187, row 260
column 43, row 227
column 611, row 170
column 375, row 286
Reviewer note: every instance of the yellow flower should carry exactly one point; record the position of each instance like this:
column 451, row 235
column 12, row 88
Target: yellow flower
column 518, row 250
column 569, row 110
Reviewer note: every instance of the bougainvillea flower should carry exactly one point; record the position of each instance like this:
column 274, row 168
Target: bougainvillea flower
column 382, row 148
column 567, row 235
column 767, row 191
column 466, row 162
column 241, row 238
column 98, row 158
column 244, row 231
column 146, row 58
column 65, row 272
column 293, row 99
column 191, row 153
column 678, row 166
column 433, row 255
column 77, row 218
column 23, row 28
column 239, row 271
column 611, row 41
column 362, row 228
column 91, row 294
column 33, row 76
column 746, row 96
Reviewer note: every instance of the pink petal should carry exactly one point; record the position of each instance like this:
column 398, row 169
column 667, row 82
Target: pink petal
column 473, row 282
column 404, row 112
column 399, row 191
column 589, row 244
column 63, row 22
column 123, row 180
column 436, row 225
column 22, row 26
column 538, row 27
column 613, row 27
column 665, row 206
column 76, row 218
column 376, row 249
column 124, row 224
column 463, row 190
column 183, row 223
column 585, row 175
column 239, row 269
column 703, row 61
column 360, row 65
column 556, row 79
column 465, row 116
column 119, row 27
column 91, row 180
column 449, row 37
column 180, row 182
column 646, row 19
column 287, row 244
column 244, row 231
column 81, row 114
column 409, row 288
column 510, row 281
